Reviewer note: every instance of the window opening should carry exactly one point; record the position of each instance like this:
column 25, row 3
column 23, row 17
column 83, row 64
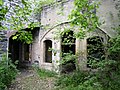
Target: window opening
column 68, row 50
column 48, row 53
column 95, row 51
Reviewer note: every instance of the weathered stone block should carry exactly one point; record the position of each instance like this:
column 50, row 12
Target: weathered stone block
column 3, row 40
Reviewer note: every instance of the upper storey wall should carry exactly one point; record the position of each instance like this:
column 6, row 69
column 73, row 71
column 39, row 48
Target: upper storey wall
column 58, row 13
column 108, row 14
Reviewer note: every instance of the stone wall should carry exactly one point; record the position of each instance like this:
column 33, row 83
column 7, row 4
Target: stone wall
column 58, row 13
column 3, row 43
column 55, row 17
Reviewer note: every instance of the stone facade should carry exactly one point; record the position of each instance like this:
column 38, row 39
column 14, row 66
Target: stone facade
column 55, row 18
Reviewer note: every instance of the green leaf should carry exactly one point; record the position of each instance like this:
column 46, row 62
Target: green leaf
column 14, row 37
column 1, row 2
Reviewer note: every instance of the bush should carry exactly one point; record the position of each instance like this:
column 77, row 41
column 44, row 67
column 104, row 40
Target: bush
column 8, row 72
column 106, row 77
column 71, row 80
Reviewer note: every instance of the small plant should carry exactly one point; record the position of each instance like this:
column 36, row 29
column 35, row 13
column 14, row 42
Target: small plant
column 45, row 73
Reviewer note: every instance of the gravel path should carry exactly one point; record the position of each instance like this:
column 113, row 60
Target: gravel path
column 29, row 80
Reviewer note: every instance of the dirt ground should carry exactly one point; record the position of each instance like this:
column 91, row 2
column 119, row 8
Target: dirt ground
column 29, row 80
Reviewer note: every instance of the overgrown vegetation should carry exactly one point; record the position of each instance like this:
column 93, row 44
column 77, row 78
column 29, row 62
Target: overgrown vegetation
column 45, row 73
column 103, row 74
column 8, row 72
column 18, row 15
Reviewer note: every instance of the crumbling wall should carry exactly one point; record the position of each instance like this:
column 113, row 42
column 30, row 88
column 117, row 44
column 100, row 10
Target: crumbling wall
column 53, row 18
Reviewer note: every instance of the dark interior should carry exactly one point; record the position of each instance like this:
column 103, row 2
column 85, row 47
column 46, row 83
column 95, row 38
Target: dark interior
column 48, row 53
column 18, row 51
column 95, row 49
column 68, row 46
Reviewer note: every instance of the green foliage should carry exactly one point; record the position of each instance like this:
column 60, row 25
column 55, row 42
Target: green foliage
column 105, row 73
column 84, row 16
column 95, row 51
column 24, row 36
column 106, row 77
column 78, row 80
column 115, row 45
column 39, row 5
column 43, row 73
column 20, row 17
column 8, row 72
column 72, row 79
column 67, row 57
column 22, row 20
column 3, row 11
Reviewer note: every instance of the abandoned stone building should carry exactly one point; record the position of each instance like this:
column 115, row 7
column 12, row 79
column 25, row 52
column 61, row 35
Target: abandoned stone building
column 54, row 18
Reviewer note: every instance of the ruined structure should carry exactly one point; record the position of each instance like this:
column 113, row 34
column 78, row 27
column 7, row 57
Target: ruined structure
column 54, row 18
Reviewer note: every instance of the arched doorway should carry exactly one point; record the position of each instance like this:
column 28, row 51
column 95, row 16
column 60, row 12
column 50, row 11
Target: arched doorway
column 19, row 51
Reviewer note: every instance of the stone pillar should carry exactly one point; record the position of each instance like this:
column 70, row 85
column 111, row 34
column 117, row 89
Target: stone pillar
column 81, row 51
column 56, row 55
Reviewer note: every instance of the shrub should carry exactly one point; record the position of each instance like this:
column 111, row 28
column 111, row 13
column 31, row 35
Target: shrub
column 106, row 77
column 8, row 72
column 73, row 79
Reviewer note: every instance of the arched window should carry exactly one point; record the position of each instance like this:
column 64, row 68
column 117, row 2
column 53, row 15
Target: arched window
column 48, row 52
column 95, row 50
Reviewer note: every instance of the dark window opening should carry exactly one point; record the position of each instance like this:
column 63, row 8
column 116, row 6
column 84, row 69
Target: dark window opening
column 68, row 38
column 48, row 52
column 95, row 51
column 14, row 49
column 68, row 47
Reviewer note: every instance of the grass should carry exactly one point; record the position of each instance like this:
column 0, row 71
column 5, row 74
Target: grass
column 46, row 73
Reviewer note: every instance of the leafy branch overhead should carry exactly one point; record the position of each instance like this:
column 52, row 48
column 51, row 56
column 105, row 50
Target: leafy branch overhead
column 3, row 11
column 84, row 16
column 18, row 15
